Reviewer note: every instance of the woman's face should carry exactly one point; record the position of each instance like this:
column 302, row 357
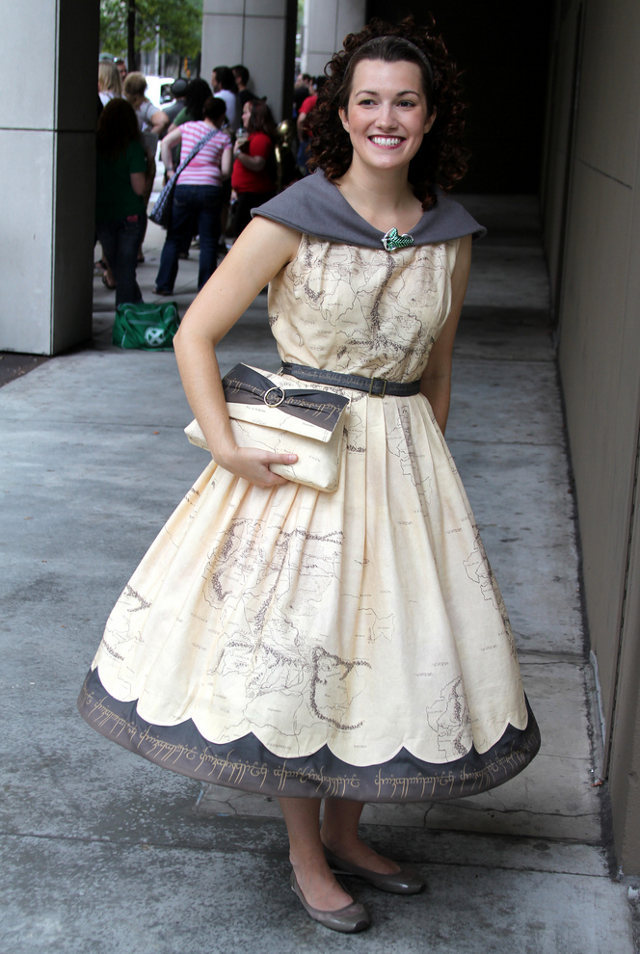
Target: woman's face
column 246, row 114
column 387, row 113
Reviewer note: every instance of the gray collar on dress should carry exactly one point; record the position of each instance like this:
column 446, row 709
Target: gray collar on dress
column 316, row 206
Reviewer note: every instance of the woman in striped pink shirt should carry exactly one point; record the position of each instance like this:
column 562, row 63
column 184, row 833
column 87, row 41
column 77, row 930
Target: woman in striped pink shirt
column 197, row 196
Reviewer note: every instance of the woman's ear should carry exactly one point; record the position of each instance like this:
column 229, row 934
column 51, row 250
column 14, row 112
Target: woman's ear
column 431, row 120
column 344, row 119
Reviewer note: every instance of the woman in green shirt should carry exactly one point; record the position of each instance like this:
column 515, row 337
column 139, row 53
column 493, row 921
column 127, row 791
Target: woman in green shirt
column 120, row 208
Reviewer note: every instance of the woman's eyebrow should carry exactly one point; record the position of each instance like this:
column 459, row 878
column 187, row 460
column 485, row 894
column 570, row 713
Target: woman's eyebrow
column 375, row 92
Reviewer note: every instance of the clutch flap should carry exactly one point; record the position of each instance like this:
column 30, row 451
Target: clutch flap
column 270, row 401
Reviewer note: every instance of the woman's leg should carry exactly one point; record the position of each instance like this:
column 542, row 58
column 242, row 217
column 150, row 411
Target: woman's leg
column 107, row 233
column 150, row 176
column 124, row 267
column 340, row 834
column 119, row 240
column 209, row 232
column 181, row 226
column 306, row 854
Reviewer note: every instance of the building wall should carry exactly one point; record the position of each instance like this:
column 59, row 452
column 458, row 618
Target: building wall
column 261, row 35
column 47, row 150
column 326, row 23
column 591, row 204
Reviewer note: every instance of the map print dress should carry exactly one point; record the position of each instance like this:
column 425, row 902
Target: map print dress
column 349, row 644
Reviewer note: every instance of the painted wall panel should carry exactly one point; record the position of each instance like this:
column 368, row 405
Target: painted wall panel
column 47, row 182
column 321, row 21
column 223, row 7
column 265, row 8
column 264, row 44
column 558, row 135
column 326, row 25
column 591, row 352
column 221, row 43
column 599, row 364
column 26, row 228
column 609, row 88
column 625, row 763
column 624, row 777
column 29, row 53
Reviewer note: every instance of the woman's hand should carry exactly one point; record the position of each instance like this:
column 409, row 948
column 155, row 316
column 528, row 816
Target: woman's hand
column 253, row 464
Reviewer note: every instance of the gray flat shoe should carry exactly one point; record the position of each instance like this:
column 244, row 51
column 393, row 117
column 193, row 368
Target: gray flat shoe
column 348, row 920
column 405, row 881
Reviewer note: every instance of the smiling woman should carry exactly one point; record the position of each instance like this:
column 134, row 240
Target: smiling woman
column 345, row 646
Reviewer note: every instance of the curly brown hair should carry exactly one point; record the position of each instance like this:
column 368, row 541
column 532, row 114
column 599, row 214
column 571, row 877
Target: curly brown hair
column 442, row 158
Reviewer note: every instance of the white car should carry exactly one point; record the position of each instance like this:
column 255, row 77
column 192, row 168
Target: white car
column 159, row 90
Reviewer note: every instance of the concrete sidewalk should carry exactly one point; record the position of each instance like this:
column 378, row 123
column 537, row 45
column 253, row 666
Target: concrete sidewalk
column 106, row 853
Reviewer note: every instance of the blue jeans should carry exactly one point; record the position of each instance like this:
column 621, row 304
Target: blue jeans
column 195, row 211
column 120, row 242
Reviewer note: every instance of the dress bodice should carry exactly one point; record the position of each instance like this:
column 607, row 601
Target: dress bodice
column 367, row 311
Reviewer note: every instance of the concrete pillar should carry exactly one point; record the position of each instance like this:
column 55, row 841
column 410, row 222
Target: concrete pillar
column 261, row 35
column 47, row 178
column 326, row 23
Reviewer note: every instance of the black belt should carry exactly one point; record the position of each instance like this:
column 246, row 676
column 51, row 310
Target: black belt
column 377, row 387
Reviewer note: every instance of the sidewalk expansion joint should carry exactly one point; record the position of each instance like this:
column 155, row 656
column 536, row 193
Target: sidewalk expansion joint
column 282, row 853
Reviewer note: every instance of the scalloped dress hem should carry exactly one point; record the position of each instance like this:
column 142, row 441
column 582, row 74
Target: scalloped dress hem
column 246, row 763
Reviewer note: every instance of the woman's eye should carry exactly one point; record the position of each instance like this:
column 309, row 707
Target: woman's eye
column 365, row 102
column 406, row 102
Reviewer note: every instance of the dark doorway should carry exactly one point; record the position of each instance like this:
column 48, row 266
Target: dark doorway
column 502, row 48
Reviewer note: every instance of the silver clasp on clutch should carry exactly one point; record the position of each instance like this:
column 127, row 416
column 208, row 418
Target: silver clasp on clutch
column 270, row 402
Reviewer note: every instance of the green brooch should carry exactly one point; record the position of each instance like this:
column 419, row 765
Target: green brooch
column 392, row 241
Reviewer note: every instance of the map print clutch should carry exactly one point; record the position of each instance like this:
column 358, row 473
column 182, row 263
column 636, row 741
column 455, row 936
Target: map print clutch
column 266, row 413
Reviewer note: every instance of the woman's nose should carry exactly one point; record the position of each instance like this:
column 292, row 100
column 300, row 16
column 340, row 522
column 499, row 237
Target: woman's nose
column 386, row 116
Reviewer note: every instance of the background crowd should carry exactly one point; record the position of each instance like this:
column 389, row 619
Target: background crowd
column 221, row 141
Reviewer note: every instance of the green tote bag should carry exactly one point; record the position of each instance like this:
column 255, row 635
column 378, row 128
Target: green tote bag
column 148, row 326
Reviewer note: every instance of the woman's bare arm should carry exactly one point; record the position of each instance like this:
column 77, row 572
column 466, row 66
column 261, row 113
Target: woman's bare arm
column 255, row 163
column 159, row 121
column 260, row 252
column 170, row 140
column 436, row 379
column 225, row 162
column 138, row 182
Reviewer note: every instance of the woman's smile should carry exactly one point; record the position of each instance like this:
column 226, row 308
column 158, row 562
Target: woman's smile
column 387, row 142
